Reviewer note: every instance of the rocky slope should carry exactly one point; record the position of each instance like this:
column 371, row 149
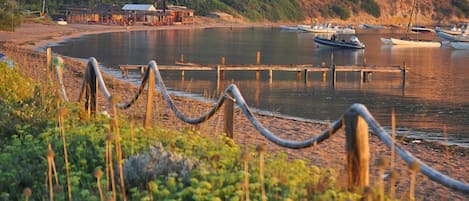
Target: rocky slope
column 391, row 11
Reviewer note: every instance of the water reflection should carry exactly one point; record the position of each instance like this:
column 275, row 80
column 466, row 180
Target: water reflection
column 436, row 95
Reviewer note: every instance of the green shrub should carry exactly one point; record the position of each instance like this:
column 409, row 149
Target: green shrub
column 343, row 13
column 196, row 167
column 9, row 15
column 461, row 5
column 371, row 7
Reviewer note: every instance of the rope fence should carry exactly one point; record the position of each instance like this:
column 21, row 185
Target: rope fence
column 356, row 120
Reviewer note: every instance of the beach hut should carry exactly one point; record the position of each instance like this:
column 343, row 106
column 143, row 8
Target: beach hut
column 182, row 14
column 147, row 14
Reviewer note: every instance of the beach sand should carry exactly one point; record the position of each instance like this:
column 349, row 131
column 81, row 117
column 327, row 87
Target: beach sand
column 450, row 160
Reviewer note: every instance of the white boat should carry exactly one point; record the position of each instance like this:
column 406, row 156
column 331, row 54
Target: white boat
column 460, row 45
column 344, row 30
column 354, row 43
column 415, row 43
column 386, row 41
column 326, row 28
column 289, row 28
column 451, row 37
column 454, row 30
column 369, row 26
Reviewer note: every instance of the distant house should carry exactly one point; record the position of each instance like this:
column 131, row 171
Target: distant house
column 80, row 15
column 145, row 14
column 182, row 14
column 101, row 13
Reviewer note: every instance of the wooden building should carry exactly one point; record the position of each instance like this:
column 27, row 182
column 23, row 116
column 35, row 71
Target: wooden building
column 130, row 14
column 182, row 14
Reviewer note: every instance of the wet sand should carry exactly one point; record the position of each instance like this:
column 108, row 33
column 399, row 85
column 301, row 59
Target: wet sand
column 451, row 160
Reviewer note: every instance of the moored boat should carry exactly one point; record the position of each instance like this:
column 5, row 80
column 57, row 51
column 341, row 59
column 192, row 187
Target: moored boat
column 369, row 26
column 354, row 43
column 289, row 28
column 453, row 38
column 415, row 43
column 326, row 28
column 386, row 41
column 422, row 30
column 460, row 45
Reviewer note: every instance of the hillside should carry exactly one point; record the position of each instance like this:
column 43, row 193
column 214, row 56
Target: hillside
column 390, row 11
column 347, row 11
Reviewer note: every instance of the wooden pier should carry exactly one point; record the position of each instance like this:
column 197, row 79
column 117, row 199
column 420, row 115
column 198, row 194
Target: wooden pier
column 302, row 70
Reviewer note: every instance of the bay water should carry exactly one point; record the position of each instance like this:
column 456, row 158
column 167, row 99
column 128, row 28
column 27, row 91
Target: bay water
column 434, row 105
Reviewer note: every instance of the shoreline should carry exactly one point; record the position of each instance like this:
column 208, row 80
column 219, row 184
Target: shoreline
column 329, row 154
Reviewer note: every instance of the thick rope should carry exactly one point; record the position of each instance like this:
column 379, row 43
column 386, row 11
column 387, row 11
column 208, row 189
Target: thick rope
column 241, row 103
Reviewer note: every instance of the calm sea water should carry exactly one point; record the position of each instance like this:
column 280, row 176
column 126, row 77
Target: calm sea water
column 436, row 94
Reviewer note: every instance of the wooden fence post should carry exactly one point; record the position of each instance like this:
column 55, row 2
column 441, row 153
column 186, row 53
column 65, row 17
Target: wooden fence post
column 49, row 63
column 258, row 57
column 357, row 148
column 333, row 75
column 151, row 89
column 229, row 116
column 91, row 102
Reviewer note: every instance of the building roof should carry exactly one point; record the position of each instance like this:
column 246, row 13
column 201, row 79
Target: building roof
column 139, row 7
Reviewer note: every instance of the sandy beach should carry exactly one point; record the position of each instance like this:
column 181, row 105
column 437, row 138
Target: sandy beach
column 20, row 46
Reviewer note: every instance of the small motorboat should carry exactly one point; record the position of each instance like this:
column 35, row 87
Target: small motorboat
column 460, row 45
column 354, row 43
column 421, row 29
column 453, row 38
column 386, row 41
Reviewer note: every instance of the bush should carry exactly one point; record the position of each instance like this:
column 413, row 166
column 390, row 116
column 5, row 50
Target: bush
column 9, row 15
column 461, row 5
column 343, row 13
column 371, row 7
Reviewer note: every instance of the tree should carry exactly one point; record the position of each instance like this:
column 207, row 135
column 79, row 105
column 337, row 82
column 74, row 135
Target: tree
column 10, row 17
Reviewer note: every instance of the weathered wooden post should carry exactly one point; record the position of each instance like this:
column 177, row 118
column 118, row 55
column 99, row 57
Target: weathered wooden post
column 258, row 57
column 324, row 76
column 229, row 115
column 218, row 77
column 142, row 71
column 222, row 60
column 181, row 59
column 333, row 74
column 49, row 63
column 298, row 76
column 306, row 75
column 357, row 148
column 270, row 75
column 258, row 75
column 149, row 107
column 403, row 69
column 91, row 102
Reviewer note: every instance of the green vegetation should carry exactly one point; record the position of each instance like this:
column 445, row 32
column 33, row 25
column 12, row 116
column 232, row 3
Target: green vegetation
column 343, row 13
column 160, row 164
column 371, row 7
column 462, row 6
column 9, row 15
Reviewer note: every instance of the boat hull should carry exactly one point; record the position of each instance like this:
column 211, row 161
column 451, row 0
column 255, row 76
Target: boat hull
column 321, row 42
column 386, row 41
column 460, row 45
column 415, row 43
column 452, row 38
